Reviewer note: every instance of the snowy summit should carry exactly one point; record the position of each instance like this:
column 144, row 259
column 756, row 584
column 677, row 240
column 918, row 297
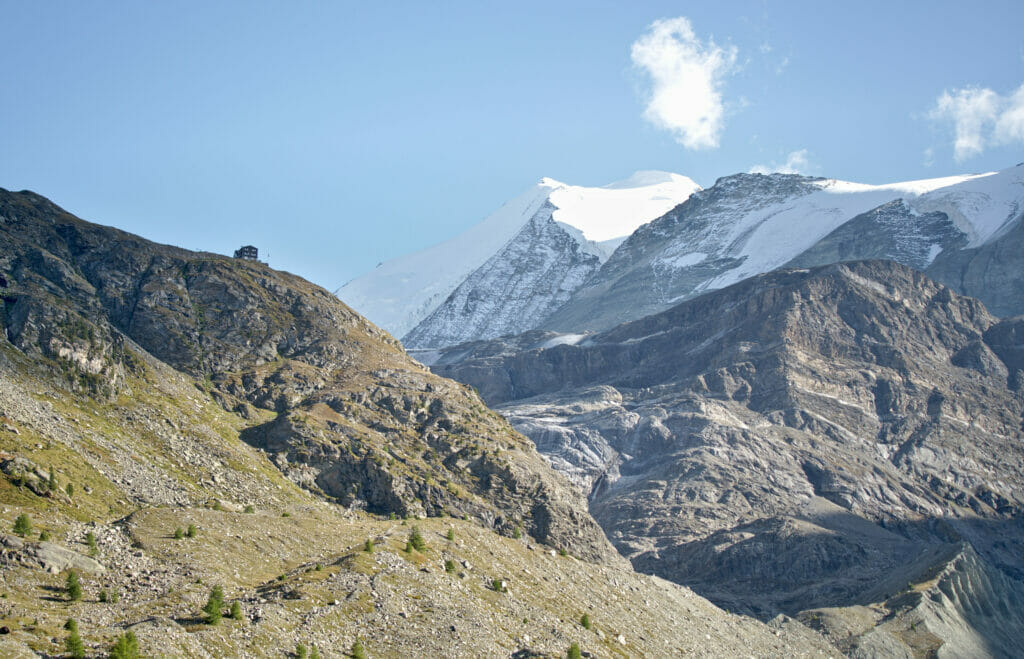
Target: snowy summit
column 398, row 294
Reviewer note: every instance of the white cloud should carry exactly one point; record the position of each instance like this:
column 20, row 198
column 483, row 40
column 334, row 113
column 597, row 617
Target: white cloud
column 973, row 111
column 1010, row 125
column 981, row 118
column 686, row 77
column 797, row 162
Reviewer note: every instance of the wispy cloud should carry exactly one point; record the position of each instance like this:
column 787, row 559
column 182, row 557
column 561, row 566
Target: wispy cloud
column 981, row 118
column 929, row 157
column 686, row 76
column 797, row 162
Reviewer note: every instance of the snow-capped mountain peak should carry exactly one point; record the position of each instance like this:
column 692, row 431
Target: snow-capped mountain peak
column 401, row 292
column 747, row 224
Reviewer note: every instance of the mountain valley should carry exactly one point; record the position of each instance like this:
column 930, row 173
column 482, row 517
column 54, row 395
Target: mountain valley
column 730, row 399
column 337, row 491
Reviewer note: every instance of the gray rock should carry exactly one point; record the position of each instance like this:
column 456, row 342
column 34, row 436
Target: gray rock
column 893, row 231
column 789, row 442
column 993, row 272
column 47, row 556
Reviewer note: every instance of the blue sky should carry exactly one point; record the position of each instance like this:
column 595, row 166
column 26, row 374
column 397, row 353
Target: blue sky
column 335, row 135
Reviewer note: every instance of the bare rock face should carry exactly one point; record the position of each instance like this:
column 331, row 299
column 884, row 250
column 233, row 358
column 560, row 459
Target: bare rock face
column 893, row 231
column 789, row 442
column 949, row 603
column 993, row 272
column 358, row 421
column 675, row 256
column 933, row 243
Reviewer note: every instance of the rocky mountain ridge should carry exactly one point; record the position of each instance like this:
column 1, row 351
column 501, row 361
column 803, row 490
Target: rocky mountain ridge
column 169, row 457
column 355, row 419
column 748, row 224
column 533, row 264
column 792, row 442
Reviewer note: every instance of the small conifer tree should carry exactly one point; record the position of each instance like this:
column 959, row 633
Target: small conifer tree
column 574, row 651
column 126, row 647
column 44, row 536
column 250, row 508
column 22, row 525
column 73, row 643
column 416, row 539
column 236, row 610
column 450, row 535
column 71, row 625
column 314, row 653
column 70, row 490
column 585, row 621
column 301, row 652
column 192, row 531
column 368, row 546
column 179, row 533
column 90, row 540
column 357, row 651
column 103, row 597
column 214, row 606
column 449, row 565
column 72, row 587
column 52, row 481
